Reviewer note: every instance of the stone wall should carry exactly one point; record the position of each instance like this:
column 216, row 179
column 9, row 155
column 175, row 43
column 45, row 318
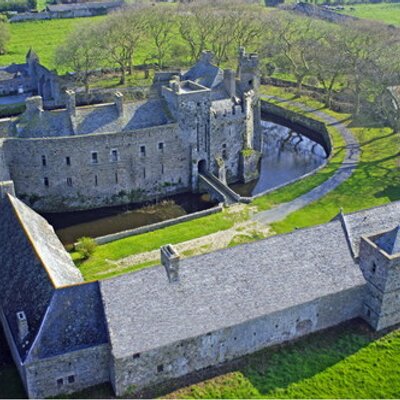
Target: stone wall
column 77, row 370
column 178, row 359
column 74, row 181
column 317, row 129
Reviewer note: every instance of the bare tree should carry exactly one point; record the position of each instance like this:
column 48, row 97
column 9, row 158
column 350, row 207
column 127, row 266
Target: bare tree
column 81, row 53
column 160, row 29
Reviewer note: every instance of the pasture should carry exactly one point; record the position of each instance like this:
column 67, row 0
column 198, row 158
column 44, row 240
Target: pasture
column 388, row 13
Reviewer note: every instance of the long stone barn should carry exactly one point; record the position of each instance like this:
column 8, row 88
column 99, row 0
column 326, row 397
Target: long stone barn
column 144, row 328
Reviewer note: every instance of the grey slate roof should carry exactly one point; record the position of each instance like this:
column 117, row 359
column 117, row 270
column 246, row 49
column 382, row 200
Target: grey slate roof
column 205, row 74
column 224, row 288
column 94, row 119
column 390, row 241
column 371, row 221
column 74, row 321
column 84, row 6
column 11, row 71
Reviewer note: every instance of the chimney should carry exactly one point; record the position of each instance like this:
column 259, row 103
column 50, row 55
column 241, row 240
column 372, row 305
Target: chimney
column 170, row 260
column 119, row 103
column 6, row 187
column 34, row 105
column 22, row 324
column 229, row 82
column 175, row 83
column 70, row 101
column 206, row 56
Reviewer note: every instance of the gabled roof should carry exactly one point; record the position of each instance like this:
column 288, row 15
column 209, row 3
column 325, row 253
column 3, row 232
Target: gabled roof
column 205, row 73
column 33, row 263
column 390, row 241
column 228, row 287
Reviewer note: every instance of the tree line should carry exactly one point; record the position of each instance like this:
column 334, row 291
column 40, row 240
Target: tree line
column 353, row 62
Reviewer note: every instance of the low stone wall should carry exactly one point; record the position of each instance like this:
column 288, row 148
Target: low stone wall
column 159, row 225
column 317, row 129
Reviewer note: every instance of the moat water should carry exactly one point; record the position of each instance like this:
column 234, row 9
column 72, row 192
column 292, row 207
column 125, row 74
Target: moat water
column 287, row 155
column 70, row 226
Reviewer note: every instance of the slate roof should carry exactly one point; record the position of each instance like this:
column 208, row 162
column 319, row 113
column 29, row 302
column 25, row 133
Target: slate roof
column 205, row 73
column 94, row 119
column 370, row 221
column 144, row 311
column 12, row 71
column 33, row 263
column 74, row 321
column 390, row 241
column 84, row 6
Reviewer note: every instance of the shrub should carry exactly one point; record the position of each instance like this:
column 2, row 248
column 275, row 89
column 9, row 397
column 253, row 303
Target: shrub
column 85, row 247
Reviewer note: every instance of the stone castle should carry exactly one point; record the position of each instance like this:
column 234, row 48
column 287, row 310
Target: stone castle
column 145, row 328
column 205, row 120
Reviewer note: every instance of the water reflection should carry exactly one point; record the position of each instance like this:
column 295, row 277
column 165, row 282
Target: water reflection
column 287, row 155
column 103, row 221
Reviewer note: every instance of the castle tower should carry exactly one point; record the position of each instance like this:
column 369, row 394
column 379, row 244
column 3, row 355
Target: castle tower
column 190, row 105
column 248, row 71
column 380, row 264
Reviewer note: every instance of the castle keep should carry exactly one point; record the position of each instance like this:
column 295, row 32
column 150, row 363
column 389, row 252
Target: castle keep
column 164, row 322
column 206, row 120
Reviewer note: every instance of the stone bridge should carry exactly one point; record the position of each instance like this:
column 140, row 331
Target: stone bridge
column 217, row 189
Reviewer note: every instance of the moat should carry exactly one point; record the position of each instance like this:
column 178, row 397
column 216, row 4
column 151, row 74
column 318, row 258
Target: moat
column 287, row 155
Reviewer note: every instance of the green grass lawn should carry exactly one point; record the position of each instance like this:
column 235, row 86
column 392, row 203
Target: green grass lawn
column 97, row 267
column 42, row 36
column 384, row 12
column 343, row 362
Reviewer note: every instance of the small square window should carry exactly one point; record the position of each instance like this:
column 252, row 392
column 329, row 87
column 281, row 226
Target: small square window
column 60, row 382
column 136, row 356
column 71, row 379
column 143, row 151
column 161, row 147
column 160, row 368
column 68, row 160
column 95, row 159
column 114, row 155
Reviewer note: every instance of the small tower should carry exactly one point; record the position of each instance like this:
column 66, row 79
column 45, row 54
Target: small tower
column 248, row 71
column 380, row 265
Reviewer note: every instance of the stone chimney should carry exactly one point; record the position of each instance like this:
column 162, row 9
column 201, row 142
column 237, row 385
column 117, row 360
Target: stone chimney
column 34, row 105
column 170, row 259
column 6, row 187
column 207, row 56
column 175, row 84
column 229, row 82
column 70, row 102
column 119, row 103
column 22, row 324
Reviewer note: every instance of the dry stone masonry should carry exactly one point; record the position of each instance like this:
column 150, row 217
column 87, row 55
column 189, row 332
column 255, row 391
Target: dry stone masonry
column 164, row 322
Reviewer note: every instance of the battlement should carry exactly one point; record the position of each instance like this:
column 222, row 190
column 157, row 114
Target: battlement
column 248, row 60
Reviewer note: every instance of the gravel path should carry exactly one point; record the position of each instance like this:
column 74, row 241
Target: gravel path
column 348, row 166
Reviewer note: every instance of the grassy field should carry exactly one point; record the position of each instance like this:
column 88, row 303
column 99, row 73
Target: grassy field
column 344, row 362
column 42, row 36
column 97, row 266
column 388, row 13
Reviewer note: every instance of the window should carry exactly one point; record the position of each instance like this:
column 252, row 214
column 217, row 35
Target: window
column 95, row 159
column 116, row 177
column 143, row 151
column 160, row 368
column 95, row 181
column 71, row 379
column 144, row 173
column 373, row 268
column 46, row 182
column 135, row 356
column 68, row 160
column 44, row 161
column 69, row 181
column 224, row 154
column 162, row 168
column 60, row 382
column 114, row 155
column 161, row 147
